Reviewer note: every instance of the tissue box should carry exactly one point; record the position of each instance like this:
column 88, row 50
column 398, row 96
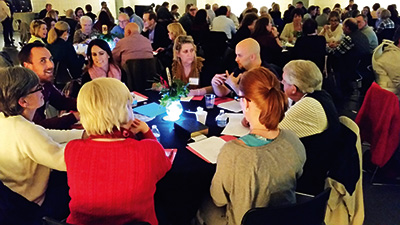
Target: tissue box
column 190, row 128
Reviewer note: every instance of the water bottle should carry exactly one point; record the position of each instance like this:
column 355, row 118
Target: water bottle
column 221, row 119
column 156, row 132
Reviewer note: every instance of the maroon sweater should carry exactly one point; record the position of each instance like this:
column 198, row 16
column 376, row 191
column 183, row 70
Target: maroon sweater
column 114, row 182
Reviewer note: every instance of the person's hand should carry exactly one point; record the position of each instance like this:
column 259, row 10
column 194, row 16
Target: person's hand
column 245, row 123
column 158, row 50
column 218, row 79
column 274, row 32
column 77, row 115
column 326, row 27
column 231, row 80
column 194, row 92
column 138, row 126
column 116, row 39
column 332, row 44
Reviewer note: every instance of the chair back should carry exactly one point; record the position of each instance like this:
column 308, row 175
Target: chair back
column 311, row 212
column 139, row 72
column 379, row 123
column 346, row 201
column 386, row 34
column 215, row 45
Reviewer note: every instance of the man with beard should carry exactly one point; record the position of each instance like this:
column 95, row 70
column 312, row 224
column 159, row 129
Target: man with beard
column 247, row 58
column 36, row 57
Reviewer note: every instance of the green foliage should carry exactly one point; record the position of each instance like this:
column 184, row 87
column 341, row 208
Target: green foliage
column 177, row 90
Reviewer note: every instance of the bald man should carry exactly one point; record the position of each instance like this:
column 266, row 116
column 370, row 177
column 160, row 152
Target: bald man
column 132, row 46
column 123, row 20
column 247, row 57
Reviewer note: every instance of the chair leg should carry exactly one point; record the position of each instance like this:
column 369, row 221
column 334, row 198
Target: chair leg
column 373, row 175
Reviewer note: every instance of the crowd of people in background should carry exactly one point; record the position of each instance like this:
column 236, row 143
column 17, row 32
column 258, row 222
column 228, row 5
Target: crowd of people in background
column 276, row 65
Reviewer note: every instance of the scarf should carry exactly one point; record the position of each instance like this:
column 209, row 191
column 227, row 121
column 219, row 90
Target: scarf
column 97, row 72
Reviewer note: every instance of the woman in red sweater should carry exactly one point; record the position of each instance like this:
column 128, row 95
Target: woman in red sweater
column 112, row 175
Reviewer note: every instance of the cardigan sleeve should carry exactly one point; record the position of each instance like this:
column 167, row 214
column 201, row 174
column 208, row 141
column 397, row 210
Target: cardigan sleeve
column 222, row 181
column 41, row 148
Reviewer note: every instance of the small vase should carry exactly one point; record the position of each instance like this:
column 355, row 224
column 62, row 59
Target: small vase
column 174, row 110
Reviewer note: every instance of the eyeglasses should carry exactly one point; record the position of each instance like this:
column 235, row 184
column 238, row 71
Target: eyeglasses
column 39, row 88
column 237, row 98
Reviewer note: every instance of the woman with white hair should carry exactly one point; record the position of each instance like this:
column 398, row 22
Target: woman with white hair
column 112, row 175
column 385, row 21
column 84, row 34
column 313, row 118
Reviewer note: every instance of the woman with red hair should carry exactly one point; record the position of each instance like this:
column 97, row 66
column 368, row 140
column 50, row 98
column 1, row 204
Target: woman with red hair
column 261, row 168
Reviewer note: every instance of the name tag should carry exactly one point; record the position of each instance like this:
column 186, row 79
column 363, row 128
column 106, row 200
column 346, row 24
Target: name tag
column 194, row 81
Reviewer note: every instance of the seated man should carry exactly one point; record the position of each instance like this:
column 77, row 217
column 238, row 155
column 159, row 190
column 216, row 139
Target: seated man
column 119, row 30
column 223, row 23
column 247, row 57
column 347, row 54
column 157, row 33
column 314, row 119
column 37, row 58
column 362, row 22
column 132, row 46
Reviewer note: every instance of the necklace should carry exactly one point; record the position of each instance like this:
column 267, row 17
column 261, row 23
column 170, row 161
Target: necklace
column 264, row 133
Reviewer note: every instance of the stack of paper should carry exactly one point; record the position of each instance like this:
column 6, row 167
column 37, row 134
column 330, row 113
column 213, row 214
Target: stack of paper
column 234, row 126
column 140, row 97
column 208, row 149
column 233, row 106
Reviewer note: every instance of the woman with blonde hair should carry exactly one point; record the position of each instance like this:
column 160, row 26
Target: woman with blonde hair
column 187, row 67
column 52, row 14
column 112, row 175
column 166, row 55
column 67, row 63
column 261, row 168
column 38, row 30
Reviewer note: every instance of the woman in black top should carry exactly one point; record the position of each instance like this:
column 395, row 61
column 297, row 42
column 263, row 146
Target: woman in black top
column 245, row 30
column 310, row 46
column 268, row 37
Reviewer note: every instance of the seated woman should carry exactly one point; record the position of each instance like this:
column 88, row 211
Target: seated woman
column 84, row 34
column 259, row 169
column 246, row 28
column 310, row 46
column 101, row 62
column 268, row 38
column 28, row 151
column 314, row 119
column 112, row 175
column 293, row 30
column 103, row 19
column 187, row 67
column 38, row 31
column 166, row 55
column 67, row 64
column 200, row 27
column 333, row 32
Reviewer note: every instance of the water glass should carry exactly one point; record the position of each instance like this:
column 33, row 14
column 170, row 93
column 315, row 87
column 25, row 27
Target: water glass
column 210, row 99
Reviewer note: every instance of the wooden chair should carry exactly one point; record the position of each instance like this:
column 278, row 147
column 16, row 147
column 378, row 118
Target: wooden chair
column 311, row 212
